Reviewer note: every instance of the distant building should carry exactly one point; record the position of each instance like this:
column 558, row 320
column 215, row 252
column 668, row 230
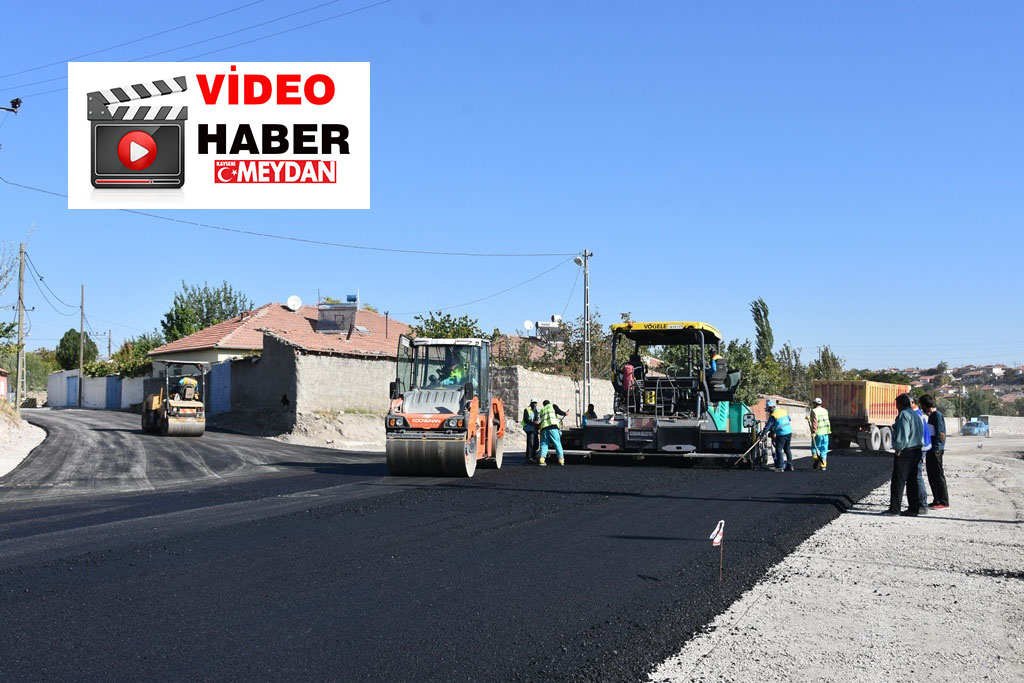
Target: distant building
column 3, row 383
column 372, row 335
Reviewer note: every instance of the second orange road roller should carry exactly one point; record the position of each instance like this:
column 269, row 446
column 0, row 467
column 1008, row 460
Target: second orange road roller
column 443, row 419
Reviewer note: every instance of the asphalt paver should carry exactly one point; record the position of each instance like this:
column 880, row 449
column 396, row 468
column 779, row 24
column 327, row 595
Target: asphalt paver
column 291, row 563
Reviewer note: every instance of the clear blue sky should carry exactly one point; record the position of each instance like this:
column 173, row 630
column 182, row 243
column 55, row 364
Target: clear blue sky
column 857, row 164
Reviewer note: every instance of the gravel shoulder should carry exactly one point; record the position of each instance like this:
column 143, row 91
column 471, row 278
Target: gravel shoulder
column 869, row 598
column 17, row 439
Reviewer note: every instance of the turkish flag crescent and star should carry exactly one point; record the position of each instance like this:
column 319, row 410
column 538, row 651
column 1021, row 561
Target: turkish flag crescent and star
column 716, row 535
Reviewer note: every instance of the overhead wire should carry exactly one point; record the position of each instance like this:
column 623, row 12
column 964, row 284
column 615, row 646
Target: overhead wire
column 305, row 240
column 490, row 296
column 228, row 47
column 34, row 269
column 131, row 42
column 50, row 303
column 571, row 292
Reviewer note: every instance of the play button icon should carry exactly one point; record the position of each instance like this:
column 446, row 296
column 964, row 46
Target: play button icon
column 137, row 150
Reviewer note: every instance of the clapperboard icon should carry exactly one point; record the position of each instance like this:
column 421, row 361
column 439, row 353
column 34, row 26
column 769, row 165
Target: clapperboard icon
column 138, row 145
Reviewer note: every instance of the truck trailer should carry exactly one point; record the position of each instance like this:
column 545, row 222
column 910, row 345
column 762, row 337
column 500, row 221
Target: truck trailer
column 860, row 410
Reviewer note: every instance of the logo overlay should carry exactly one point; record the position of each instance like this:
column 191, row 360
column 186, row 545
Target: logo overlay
column 253, row 135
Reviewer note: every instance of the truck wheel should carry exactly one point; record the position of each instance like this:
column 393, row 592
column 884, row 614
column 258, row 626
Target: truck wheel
column 875, row 439
column 886, row 439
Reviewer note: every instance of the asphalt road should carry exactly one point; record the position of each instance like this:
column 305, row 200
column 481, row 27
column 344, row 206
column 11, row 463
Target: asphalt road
column 125, row 556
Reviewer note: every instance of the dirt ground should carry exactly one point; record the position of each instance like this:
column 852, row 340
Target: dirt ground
column 871, row 598
column 17, row 438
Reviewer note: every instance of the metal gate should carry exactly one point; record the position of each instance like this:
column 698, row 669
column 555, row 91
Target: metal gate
column 71, row 400
column 113, row 393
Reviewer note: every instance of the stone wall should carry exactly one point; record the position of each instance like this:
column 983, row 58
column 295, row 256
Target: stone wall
column 338, row 383
column 1000, row 425
column 264, row 387
column 516, row 386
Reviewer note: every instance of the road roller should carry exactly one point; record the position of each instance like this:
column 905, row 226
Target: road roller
column 443, row 420
column 173, row 404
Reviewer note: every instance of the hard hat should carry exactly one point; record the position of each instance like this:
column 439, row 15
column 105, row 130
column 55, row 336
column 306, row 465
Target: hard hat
column 818, row 401
column 533, row 400
column 769, row 403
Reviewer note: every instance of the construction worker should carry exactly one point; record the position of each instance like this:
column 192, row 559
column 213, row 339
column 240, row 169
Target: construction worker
column 591, row 414
column 184, row 384
column 551, row 432
column 713, row 366
column 820, row 429
column 456, row 370
column 531, row 425
column 781, row 429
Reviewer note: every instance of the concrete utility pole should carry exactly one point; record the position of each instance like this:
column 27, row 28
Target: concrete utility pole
column 81, row 348
column 110, row 338
column 583, row 259
column 21, row 329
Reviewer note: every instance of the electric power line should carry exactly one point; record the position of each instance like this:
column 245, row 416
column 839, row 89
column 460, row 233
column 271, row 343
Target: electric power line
column 571, row 292
column 130, row 42
column 241, row 30
column 32, row 267
column 305, row 240
column 50, row 303
column 289, row 30
column 491, row 296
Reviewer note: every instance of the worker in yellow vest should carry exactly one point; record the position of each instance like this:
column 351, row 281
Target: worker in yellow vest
column 820, row 429
column 551, row 432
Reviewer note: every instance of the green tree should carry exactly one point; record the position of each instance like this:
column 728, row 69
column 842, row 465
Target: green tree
column 446, row 326
column 827, row 365
column 1018, row 407
column 195, row 308
column 132, row 359
column 882, row 376
column 67, row 350
column 764, row 337
column 8, row 269
column 794, row 378
column 982, row 402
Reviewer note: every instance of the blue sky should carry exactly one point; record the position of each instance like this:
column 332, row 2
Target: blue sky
column 857, row 164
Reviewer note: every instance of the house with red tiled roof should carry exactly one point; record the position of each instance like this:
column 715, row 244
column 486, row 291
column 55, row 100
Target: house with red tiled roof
column 372, row 336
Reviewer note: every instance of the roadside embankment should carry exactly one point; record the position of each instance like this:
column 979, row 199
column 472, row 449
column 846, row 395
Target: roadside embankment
column 870, row 598
column 17, row 438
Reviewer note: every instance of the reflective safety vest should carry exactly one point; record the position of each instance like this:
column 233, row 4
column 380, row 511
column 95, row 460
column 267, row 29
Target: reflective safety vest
column 782, row 425
column 822, row 425
column 528, row 418
column 548, row 417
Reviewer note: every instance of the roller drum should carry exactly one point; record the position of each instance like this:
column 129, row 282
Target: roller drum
column 183, row 428
column 431, row 458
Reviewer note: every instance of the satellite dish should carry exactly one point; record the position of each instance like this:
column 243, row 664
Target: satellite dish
column 527, row 325
column 294, row 303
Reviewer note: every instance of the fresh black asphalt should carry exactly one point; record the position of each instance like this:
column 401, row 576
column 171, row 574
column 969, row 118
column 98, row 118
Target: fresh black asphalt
column 125, row 556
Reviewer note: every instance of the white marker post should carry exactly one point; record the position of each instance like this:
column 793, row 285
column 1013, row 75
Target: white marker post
column 716, row 539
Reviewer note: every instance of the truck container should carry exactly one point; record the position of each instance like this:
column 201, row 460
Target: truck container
column 860, row 410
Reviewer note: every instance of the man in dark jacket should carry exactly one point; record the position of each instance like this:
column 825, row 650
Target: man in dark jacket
column 933, row 460
column 907, row 441
column 531, row 425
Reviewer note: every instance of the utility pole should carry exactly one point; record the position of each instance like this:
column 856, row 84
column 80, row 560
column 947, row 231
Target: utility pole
column 110, row 338
column 583, row 259
column 81, row 347
column 21, row 329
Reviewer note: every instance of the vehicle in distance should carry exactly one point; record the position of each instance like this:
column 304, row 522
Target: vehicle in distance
column 974, row 428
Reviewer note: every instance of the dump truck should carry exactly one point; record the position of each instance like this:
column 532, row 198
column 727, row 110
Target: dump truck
column 860, row 410
column 443, row 418
column 173, row 404
column 681, row 409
